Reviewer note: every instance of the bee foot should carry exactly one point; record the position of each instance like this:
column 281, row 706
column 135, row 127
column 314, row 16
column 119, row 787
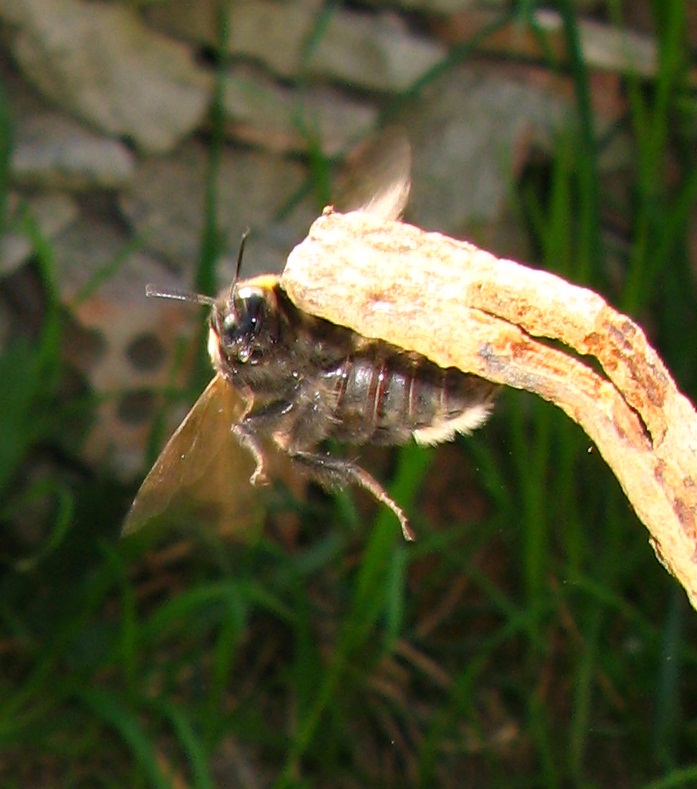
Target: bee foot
column 259, row 477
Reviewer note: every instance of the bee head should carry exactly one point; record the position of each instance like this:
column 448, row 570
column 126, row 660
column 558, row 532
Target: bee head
column 238, row 323
column 242, row 324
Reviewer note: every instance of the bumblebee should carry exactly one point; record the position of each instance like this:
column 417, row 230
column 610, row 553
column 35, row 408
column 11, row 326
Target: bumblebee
column 304, row 380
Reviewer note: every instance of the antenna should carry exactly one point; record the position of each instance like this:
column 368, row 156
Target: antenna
column 240, row 253
column 152, row 291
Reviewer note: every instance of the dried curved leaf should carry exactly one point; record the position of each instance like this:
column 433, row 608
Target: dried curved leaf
column 383, row 279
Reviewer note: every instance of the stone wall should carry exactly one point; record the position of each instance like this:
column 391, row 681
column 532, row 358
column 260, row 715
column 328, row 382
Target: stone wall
column 111, row 107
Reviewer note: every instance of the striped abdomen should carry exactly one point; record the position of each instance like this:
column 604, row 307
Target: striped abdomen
column 387, row 400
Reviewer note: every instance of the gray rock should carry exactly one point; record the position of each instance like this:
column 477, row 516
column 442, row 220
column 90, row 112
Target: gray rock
column 52, row 213
column 375, row 52
column 262, row 112
column 468, row 129
column 55, row 152
column 96, row 254
column 124, row 344
column 100, row 62
column 165, row 207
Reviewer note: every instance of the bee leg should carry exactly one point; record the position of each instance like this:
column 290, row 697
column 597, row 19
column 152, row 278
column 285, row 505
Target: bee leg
column 259, row 422
column 336, row 473
column 249, row 442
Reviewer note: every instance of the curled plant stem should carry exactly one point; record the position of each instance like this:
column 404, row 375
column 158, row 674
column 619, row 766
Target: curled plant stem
column 382, row 278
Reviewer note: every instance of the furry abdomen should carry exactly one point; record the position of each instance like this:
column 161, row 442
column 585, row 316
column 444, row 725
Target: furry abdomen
column 387, row 400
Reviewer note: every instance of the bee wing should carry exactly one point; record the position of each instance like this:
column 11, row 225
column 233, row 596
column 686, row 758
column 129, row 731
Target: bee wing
column 377, row 175
column 202, row 474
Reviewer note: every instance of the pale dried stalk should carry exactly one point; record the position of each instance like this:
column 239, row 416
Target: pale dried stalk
column 462, row 307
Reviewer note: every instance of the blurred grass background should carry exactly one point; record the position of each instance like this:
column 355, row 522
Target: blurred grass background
column 530, row 639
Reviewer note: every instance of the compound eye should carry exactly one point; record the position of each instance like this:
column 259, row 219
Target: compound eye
column 230, row 330
column 243, row 323
column 250, row 312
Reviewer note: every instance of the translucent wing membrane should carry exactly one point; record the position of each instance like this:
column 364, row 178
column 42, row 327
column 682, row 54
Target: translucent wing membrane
column 376, row 176
column 202, row 474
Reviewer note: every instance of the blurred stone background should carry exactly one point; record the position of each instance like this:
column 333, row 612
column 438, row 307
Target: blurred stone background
column 111, row 120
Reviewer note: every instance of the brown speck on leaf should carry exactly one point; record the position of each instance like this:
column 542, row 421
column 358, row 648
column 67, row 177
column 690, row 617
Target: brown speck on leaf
column 686, row 516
